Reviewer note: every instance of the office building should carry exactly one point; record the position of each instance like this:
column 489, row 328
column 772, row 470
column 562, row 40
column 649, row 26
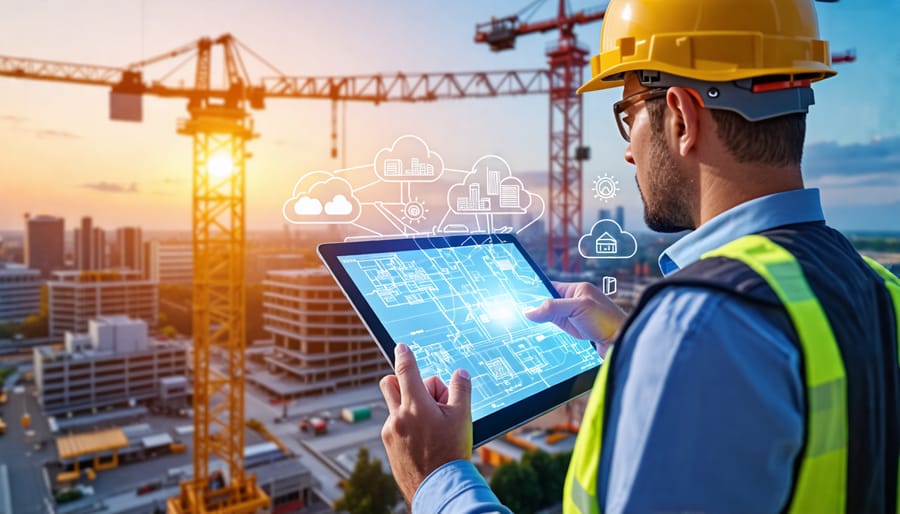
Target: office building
column 604, row 214
column 128, row 250
column 20, row 292
column 77, row 296
column 620, row 216
column 90, row 246
column 320, row 344
column 258, row 264
column 44, row 244
column 169, row 263
column 115, row 364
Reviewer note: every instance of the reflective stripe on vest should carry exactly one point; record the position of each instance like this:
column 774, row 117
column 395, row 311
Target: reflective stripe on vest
column 580, row 489
column 822, row 482
column 893, row 285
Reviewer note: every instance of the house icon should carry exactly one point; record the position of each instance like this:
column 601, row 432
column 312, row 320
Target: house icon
column 606, row 244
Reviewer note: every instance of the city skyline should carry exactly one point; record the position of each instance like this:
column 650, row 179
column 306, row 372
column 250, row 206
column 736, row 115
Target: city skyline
column 61, row 155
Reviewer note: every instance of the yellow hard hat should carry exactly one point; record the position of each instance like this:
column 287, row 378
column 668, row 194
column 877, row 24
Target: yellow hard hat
column 709, row 40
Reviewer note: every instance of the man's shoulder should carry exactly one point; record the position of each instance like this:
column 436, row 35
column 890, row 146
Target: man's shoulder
column 686, row 307
column 725, row 275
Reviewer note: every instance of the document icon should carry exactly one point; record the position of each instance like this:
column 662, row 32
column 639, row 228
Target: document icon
column 609, row 286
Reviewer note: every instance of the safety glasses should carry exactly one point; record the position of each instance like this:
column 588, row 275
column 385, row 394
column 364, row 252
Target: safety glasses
column 622, row 109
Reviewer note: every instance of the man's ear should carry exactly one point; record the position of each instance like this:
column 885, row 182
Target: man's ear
column 684, row 122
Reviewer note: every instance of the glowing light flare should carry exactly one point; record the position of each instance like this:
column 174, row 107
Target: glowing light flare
column 500, row 312
column 220, row 165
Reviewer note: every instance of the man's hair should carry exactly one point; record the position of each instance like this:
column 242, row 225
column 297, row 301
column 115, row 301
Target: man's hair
column 773, row 142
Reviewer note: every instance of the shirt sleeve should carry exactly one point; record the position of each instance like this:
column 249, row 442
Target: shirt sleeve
column 456, row 488
column 707, row 411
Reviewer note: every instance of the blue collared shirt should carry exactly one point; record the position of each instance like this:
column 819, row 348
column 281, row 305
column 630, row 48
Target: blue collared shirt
column 707, row 414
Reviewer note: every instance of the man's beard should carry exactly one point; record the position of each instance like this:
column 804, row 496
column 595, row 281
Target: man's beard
column 669, row 209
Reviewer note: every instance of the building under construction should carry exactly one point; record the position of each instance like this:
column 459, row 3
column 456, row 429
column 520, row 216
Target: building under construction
column 320, row 344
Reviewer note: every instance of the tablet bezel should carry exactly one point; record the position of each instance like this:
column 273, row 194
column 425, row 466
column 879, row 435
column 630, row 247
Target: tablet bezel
column 502, row 421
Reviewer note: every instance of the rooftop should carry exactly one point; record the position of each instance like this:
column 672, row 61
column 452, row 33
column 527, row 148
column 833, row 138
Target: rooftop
column 73, row 446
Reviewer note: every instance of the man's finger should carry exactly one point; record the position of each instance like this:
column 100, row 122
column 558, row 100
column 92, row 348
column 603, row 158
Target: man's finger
column 411, row 387
column 460, row 390
column 554, row 310
column 390, row 388
column 565, row 289
column 436, row 388
column 559, row 311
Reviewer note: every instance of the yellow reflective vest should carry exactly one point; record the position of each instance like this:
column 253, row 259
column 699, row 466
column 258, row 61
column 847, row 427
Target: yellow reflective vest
column 821, row 482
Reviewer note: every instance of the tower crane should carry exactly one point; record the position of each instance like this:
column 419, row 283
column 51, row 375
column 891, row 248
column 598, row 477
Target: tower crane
column 567, row 59
column 220, row 125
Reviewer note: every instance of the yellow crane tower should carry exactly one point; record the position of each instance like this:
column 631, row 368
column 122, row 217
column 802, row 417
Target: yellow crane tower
column 220, row 126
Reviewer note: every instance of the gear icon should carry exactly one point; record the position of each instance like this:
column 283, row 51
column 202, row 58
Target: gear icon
column 605, row 187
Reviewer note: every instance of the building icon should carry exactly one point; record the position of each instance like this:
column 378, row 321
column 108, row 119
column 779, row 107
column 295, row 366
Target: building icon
column 609, row 286
column 607, row 244
column 393, row 167
column 509, row 195
column 419, row 169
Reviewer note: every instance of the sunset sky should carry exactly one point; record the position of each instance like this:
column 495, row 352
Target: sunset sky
column 61, row 155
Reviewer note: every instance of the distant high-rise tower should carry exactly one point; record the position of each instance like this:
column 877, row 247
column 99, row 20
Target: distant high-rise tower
column 90, row 246
column 604, row 214
column 129, row 248
column 44, row 243
column 620, row 216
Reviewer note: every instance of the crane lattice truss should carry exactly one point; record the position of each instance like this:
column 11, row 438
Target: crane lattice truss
column 566, row 153
column 220, row 126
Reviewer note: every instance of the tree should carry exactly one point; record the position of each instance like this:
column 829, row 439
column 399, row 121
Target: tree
column 8, row 329
column 550, row 475
column 368, row 490
column 35, row 326
column 517, row 486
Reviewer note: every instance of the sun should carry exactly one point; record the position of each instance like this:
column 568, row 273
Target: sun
column 220, row 165
column 414, row 211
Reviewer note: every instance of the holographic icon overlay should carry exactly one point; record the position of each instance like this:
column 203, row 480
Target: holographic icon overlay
column 605, row 187
column 408, row 191
column 607, row 240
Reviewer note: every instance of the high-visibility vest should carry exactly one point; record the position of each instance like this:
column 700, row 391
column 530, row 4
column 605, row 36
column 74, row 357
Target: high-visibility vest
column 821, row 482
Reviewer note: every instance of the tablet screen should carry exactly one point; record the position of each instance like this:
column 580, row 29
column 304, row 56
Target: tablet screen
column 461, row 307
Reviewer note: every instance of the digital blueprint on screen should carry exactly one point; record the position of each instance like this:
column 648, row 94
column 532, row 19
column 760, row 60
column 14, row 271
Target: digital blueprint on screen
column 462, row 308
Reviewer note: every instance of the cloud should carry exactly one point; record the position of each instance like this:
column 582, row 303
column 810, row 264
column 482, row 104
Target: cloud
column 881, row 155
column 607, row 240
column 12, row 118
column 112, row 187
column 338, row 206
column 306, row 206
column 489, row 189
column 317, row 189
column 408, row 160
column 47, row 133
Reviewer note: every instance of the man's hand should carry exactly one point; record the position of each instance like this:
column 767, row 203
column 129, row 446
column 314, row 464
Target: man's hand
column 428, row 425
column 583, row 312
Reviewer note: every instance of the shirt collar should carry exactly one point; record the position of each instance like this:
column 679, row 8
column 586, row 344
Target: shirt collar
column 757, row 215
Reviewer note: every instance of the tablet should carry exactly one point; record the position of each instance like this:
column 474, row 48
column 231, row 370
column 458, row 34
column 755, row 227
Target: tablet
column 457, row 301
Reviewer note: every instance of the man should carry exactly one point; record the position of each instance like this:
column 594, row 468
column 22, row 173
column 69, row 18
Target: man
column 761, row 375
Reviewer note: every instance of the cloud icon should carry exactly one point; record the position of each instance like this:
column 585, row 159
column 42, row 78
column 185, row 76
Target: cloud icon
column 338, row 206
column 408, row 160
column 607, row 240
column 307, row 206
column 320, row 188
column 489, row 189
